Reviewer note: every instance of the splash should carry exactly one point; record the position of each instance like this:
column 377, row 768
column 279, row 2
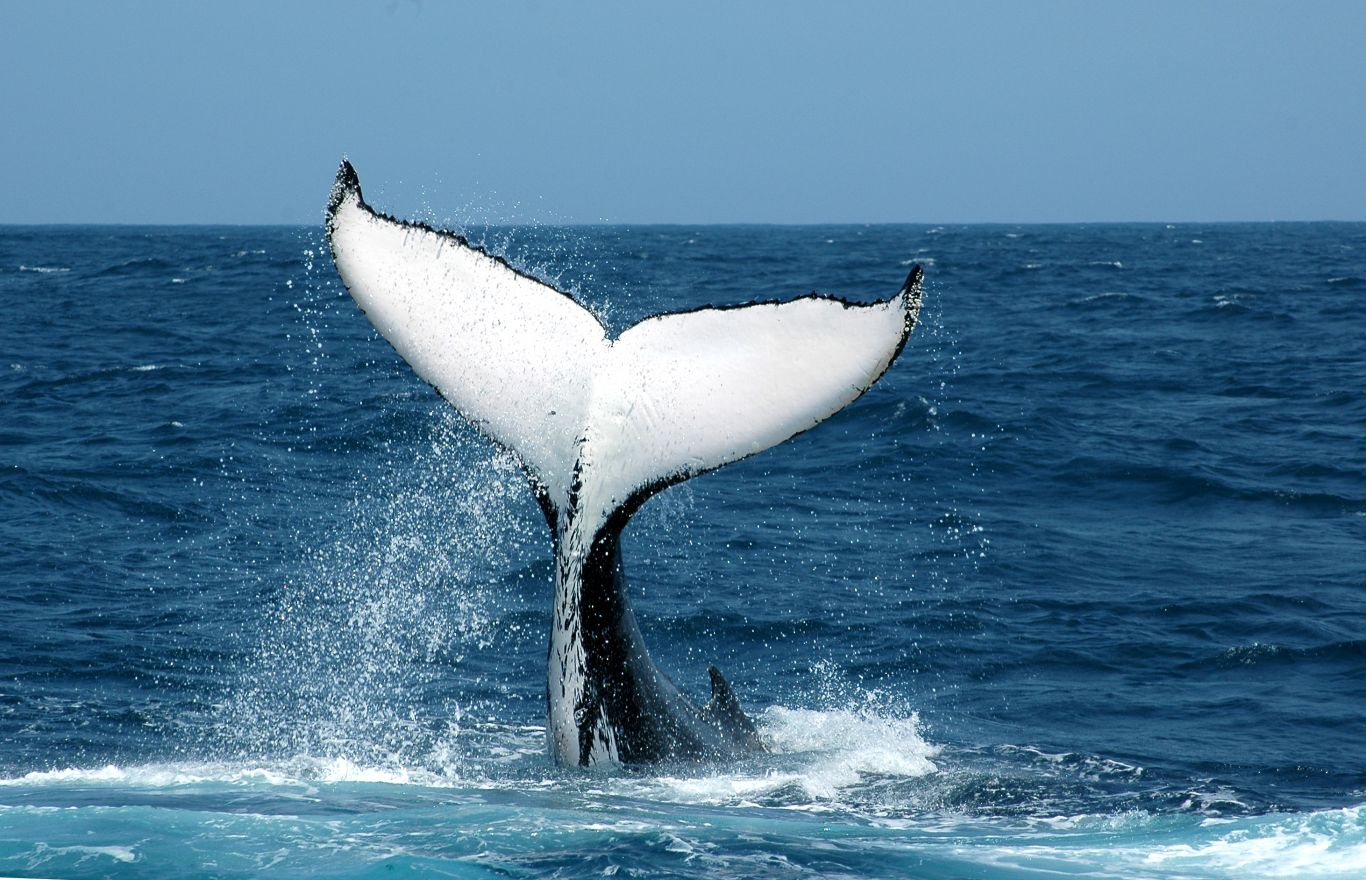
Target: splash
column 364, row 640
column 820, row 761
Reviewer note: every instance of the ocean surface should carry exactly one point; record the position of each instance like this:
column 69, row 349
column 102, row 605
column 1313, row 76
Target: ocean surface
column 1079, row 589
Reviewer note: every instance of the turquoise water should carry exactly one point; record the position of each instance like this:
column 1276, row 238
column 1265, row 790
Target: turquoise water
column 1078, row 589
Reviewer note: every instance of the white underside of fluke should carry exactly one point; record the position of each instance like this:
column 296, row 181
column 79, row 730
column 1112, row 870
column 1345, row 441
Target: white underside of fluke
column 597, row 421
column 673, row 396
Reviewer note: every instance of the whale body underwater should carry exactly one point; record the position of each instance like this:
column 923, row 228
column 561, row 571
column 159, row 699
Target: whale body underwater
column 601, row 424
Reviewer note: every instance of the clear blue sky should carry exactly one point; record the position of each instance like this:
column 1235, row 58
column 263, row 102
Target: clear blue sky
column 697, row 111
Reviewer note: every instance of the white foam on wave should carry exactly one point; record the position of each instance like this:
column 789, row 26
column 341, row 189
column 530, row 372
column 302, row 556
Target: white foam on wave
column 124, row 854
column 1106, row 295
column 1327, row 843
column 818, row 756
column 1091, row 767
column 44, row 269
column 301, row 771
column 1322, row 845
column 855, row 741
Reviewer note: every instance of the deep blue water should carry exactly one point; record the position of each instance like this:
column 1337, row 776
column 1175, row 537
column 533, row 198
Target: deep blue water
column 1078, row 589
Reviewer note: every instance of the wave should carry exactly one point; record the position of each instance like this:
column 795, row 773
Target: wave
column 1176, row 484
column 1108, row 298
column 301, row 771
column 819, row 752
column 93, row 489
column 859, row 763
column 1327, row 843
column 135, row 267
column 1322, row 844
column 866, row 775
column 709, row 826
column 99, row 378
column 1261, row 654
column 1235, row 305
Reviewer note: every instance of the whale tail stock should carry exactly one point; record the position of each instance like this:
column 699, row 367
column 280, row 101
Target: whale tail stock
column 600, row 424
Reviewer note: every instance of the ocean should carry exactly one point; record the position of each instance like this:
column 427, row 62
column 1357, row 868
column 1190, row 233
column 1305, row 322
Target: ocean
column 1078, row 589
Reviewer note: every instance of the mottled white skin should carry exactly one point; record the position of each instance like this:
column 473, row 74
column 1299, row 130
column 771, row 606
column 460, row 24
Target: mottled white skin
column 601, row 423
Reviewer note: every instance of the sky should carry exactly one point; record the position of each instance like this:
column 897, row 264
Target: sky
column 684, row 112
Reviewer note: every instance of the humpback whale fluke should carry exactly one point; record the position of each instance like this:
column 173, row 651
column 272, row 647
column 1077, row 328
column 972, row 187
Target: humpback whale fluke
column 600, row 424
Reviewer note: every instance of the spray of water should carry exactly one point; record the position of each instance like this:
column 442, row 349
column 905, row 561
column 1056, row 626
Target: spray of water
column 360, row 654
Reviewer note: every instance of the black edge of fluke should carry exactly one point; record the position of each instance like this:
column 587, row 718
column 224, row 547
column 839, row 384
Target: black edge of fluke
column 910, row 294
column 913, row 280
column 345, row 183
column 911, row 290
column 348, row 181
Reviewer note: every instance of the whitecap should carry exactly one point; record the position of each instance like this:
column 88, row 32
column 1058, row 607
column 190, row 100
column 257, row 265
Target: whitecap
column 818, row 755
column 299, row 771
column 117, row 853
column 1324, row 844
column 1327, row 843
column 1091, row 765
column 44, row 269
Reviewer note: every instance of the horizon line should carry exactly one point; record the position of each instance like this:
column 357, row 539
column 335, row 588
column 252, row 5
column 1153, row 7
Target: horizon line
column 73, row 224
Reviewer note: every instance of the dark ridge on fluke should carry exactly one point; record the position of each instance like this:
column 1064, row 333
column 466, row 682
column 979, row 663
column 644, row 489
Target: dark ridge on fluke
column 346, row 182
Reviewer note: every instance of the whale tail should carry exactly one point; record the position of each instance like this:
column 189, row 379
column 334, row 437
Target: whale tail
column 600, row 424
